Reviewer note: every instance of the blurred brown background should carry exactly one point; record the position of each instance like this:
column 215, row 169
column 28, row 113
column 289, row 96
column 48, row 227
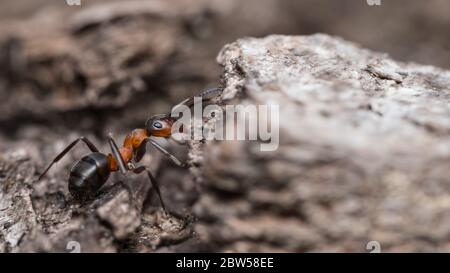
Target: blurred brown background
column 409, row 30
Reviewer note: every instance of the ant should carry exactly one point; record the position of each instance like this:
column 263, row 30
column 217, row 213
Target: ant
column 92, row 171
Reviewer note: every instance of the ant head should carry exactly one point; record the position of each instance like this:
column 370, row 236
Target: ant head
column 159, row 126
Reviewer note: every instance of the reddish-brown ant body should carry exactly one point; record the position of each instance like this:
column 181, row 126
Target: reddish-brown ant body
column 90, row 173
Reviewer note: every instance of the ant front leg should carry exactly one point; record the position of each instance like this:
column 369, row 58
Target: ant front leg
column 206, row 95
column 142, row 147
column 90, row 145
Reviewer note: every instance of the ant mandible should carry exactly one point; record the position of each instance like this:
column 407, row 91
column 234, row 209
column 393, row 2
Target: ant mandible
column 92, row 171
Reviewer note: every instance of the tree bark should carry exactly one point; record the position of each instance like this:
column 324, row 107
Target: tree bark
column 364, row 152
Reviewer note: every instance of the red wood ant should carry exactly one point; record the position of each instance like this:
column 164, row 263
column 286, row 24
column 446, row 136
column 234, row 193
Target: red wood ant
column 90, row 173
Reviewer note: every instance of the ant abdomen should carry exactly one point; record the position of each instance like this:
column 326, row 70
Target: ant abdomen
column 88, row 175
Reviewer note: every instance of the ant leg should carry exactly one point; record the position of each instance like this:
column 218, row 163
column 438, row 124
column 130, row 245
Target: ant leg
column 211, row 93
column 90, row 145
column 206, row 95
column 165, row 152
column 155, row 185
column 140, row 151
column 116, row 154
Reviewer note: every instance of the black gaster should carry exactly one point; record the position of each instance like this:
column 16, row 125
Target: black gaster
column 88, row 175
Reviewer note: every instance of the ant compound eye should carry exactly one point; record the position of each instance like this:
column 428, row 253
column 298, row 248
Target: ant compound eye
column 157, row 125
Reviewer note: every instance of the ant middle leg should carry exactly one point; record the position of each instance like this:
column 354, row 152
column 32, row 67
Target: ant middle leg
column 140, row 169
column 90, row 145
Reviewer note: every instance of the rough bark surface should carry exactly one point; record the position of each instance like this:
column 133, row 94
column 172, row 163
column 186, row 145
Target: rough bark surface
column 364, row 152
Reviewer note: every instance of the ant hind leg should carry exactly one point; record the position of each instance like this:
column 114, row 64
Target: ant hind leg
column 90, row 145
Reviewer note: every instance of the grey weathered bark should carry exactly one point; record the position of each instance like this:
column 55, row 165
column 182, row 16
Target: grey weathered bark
column 364, row 152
